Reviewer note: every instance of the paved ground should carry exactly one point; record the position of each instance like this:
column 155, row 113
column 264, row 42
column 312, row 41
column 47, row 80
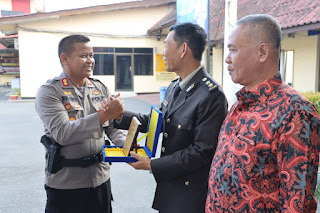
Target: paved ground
column 22, row 162
column 4, row 93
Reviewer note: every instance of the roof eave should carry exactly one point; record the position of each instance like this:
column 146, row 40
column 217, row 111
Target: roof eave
column 100, row 8
column 305, row 27
column 160, row 28
column 31, row 19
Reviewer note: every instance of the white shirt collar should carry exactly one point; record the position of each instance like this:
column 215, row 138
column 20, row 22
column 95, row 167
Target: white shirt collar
column 186, row 80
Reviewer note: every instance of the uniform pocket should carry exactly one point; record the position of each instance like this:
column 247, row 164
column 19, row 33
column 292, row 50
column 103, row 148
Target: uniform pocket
column 182, row 123
column 96, row 100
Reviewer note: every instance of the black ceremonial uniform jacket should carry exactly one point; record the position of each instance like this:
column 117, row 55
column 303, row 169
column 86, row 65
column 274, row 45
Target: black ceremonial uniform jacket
column 190, row 135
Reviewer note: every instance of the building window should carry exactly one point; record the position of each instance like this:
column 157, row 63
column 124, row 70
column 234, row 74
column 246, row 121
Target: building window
column 143, row 64
column 124, row 50
column 286, row 66
column 105, row 60
column 143, row 50
column 104, row 64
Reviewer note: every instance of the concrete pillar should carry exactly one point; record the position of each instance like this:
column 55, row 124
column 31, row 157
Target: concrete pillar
column 229, row 87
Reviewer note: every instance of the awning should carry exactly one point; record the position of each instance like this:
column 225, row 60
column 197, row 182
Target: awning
column 7, row 41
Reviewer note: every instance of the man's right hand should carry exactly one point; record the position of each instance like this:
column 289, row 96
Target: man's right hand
column 111, row 108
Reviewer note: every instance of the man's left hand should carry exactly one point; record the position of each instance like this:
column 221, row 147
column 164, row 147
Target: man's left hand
column 142, row 163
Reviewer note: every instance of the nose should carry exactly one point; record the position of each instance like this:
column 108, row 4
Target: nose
column 90, row 59
column 228, row 59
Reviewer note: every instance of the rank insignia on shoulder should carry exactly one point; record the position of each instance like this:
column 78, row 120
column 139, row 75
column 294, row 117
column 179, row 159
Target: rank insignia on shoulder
column 208, row 84
column 77, row 106
column 165, row 103
column 67, row 106
column 67, row 92
column 65, row 82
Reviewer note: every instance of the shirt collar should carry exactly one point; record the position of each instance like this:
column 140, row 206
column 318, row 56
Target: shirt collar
column 186, row 80
column 261, row 92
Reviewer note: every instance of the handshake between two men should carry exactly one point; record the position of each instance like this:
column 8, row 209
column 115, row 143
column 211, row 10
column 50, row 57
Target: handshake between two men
column 111, row 108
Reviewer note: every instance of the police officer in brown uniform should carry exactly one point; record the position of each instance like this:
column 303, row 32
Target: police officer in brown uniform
column 68, row 106
column 194, row 108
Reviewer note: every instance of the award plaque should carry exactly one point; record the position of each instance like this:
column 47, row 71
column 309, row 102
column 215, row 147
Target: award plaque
column 121, row 153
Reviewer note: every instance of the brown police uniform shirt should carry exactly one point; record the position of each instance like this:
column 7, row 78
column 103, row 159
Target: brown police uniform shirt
column 71, row 118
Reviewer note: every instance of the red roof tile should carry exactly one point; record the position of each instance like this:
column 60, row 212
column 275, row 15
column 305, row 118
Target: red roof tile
column 166, row 21
column 289, row 13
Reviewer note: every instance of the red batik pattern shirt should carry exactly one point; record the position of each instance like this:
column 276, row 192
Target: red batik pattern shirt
column 268, row 153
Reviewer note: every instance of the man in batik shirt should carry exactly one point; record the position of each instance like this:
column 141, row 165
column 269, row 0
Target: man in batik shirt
column 268, row 152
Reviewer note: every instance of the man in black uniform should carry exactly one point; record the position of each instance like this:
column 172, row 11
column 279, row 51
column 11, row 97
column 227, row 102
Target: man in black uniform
column 194, row 108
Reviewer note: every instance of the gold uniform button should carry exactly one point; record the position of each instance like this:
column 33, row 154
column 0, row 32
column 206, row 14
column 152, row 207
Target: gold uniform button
column 163, row 149
column 179, row 126
column 204, row 79
column 165, row 135
column 168, row 120
column 186, row 183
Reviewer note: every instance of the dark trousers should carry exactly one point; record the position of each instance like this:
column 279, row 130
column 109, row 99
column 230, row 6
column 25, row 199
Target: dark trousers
column 87, row 200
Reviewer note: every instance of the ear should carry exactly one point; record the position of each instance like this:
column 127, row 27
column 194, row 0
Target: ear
column 263, row 52
column 184, row 49
column 64, row 59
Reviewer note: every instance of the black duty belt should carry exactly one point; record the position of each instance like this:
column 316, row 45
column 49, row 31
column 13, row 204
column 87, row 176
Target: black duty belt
column 55, row 162
column 81, row 162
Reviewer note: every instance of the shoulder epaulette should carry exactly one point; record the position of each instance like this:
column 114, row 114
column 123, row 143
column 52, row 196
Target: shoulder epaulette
column 94, row 81
column 97, row 80
column 52, row 80
column 208, row 84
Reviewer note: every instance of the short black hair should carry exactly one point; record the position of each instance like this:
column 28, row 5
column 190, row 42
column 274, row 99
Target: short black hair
column 193, row 35
column 66, row 44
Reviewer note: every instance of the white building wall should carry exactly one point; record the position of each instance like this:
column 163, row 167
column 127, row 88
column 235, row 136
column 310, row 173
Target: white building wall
column 305, row 64
column 217, row 63
column 5, row 5
column 38, row 44
column 38, row 60
column 305, row 60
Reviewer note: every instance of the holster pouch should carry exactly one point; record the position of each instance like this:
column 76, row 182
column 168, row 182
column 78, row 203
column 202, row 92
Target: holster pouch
column 53, row 158
column 55, row 162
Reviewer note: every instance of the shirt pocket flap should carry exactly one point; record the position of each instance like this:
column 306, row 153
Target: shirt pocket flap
column 182, row 123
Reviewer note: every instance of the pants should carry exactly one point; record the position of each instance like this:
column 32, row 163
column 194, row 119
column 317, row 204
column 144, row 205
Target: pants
column 87, row 200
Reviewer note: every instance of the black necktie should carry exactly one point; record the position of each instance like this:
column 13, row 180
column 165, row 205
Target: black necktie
column 176, row 92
